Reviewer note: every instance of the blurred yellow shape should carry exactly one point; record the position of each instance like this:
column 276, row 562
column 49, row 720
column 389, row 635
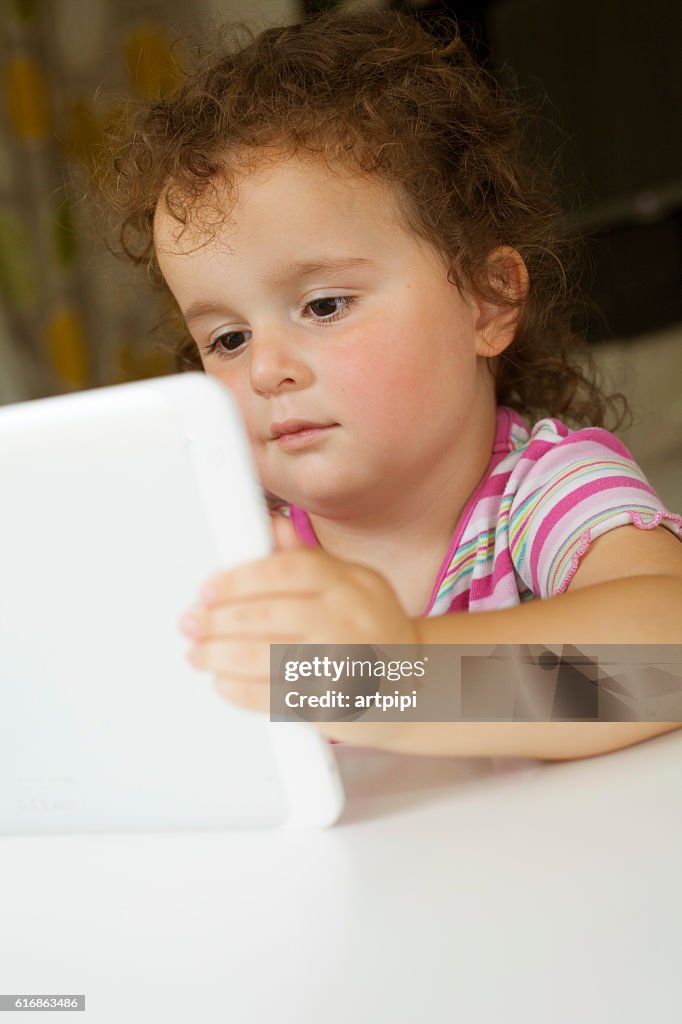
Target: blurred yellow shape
column 67, row 349
column 27, row 96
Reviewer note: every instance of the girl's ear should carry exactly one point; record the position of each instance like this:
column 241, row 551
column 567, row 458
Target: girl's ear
column 497, row 322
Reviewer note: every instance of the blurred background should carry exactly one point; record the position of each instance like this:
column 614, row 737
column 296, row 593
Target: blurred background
column 604, row 75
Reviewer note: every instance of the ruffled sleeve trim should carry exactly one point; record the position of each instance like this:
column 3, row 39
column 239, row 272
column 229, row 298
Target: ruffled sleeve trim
column 664, row 518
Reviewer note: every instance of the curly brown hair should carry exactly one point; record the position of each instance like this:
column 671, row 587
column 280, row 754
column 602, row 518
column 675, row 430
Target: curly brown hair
column 376, row 94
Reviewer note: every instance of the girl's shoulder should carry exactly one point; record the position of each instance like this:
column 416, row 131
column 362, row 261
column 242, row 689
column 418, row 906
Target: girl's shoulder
column 564, row 488
column 514, row 434
column 549, row 491
column 542, row 449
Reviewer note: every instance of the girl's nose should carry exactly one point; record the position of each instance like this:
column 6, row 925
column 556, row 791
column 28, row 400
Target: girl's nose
column 276, row 365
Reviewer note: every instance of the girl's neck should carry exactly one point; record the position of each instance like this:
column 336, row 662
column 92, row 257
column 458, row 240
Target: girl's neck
column 406, row 538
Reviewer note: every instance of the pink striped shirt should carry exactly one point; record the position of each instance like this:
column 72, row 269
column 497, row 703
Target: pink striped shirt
column 547, row 492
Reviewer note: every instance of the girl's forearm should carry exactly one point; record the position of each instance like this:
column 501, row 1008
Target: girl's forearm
column 633, row 610
column 547, row 741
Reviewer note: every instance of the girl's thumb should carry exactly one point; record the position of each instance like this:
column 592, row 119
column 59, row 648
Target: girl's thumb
column 284, row 533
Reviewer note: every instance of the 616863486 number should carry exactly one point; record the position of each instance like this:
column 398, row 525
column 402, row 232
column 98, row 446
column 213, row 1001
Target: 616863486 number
column 42, row 1002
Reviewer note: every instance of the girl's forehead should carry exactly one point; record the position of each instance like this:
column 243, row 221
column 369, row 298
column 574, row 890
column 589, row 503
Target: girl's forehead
column 303, row 171
column 295, row 195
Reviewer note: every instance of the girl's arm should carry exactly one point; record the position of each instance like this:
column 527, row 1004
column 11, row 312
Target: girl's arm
column 545, row 741
column 627, row 590
column 643, row 609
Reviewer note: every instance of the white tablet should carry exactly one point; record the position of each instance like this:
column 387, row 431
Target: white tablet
column 117, row 504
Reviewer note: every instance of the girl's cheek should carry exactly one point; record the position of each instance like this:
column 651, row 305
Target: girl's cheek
column 378, row 387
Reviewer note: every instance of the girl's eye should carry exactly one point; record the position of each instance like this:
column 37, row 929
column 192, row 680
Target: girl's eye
column 229, row 344
column 347, row 301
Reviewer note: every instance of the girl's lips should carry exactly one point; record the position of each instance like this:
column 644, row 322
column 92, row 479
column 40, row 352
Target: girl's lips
column 303, row 437
column 293, row 426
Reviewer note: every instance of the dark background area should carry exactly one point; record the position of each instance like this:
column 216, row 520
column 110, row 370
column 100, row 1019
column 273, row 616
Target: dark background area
column 606, row 78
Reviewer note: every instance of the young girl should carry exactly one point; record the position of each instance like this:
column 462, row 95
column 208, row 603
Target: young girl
column 344, row 217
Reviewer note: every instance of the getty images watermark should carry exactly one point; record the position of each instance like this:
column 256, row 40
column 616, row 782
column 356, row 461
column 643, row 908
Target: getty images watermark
column 465, row 683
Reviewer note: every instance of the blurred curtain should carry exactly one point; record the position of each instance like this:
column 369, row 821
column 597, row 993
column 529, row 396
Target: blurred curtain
column 71, row 315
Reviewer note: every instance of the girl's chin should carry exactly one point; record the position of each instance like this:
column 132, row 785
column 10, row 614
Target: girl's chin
column 321, row 501
column 322, row 490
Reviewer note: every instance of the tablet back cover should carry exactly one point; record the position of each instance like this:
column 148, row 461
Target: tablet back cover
column 117, row 504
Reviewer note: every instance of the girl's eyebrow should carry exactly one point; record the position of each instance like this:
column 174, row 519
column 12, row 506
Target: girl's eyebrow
column 295, row 271
column 316, row 265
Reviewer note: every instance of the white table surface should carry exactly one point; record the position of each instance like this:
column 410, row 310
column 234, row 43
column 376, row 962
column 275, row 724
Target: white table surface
column 470, row 890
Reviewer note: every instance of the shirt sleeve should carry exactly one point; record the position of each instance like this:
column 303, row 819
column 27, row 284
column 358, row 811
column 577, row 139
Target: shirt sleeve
column 569, row 487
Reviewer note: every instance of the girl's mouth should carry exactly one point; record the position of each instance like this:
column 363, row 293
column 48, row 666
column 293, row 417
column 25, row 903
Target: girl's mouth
column 292, row 435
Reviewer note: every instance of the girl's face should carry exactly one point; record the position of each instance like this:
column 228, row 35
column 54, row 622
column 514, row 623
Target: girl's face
column 315, row 306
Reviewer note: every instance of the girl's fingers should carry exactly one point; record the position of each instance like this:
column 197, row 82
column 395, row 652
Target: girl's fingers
column 295, row 571
column 241, row 668
column 244, row 659
column 282, row 616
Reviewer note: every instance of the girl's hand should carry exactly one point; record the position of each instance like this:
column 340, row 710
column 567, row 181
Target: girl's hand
column 297, row 595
